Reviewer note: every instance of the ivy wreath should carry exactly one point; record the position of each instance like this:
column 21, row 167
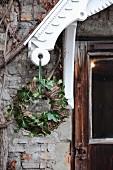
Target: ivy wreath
column 26, row 100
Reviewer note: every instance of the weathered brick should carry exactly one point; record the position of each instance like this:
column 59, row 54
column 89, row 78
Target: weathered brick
column 32, row 148
column 67, row 158
column 6, row 95
column 14, row 79
column 26, row 156
column 25, row 133
column 36, row 11
column 2, row 38
column 16, row 157
column 45, row 156
column 1, row 47
column 43, row 165
column 12, row 68
column 23, row 141
column 43, row 147
column 35, row 140
column 30, row 164
column 51, row 147
column 50, row 163
column 27, row 9
column 26, row 17
column 42, row 140
column 27, row 2
column 15, row 141
column 16, row 148
column 35, row 156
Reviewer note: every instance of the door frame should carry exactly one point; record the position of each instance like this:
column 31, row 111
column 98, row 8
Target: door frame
column 104, row 55
column 80, row 122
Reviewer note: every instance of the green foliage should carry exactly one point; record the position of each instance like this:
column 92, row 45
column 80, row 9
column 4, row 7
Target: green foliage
column 28, row 97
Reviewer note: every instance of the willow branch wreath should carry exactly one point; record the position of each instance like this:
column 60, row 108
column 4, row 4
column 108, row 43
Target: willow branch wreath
column 25, row 102
column 23, row 108
column 27, row 99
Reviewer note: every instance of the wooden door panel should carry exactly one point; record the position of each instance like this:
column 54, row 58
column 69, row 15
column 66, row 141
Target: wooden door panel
column 81, row 107
column 100, row 157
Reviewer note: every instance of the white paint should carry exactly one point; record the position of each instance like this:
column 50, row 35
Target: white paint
column 101, row 141
column 69, row 55
column 35, row 56
column 95, row 6
column 61, row 16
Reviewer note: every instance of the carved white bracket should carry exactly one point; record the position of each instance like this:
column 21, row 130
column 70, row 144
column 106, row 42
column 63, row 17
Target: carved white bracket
column 37, row 53
column 61, row 16
column 69, row 55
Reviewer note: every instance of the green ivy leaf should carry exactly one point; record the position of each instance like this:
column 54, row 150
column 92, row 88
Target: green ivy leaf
column 24, row 125
column 52, row 102
column 52, row 117
column 36, row 122
column 60, row 95
column 44, row 97
column 36, row 94
column 23, row 86
column 9, row 107
column 35, row 101
column 16, row 130
column 60, row 103
column 31, row 135
column 20, row 95
column 33, row 117
column 27, row 107
column 8, row 114
column 60, row 81
column 29, row 81
column 46, row 132
column 35, row 79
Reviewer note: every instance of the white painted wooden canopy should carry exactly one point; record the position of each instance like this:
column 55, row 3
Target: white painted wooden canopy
column 65, row 14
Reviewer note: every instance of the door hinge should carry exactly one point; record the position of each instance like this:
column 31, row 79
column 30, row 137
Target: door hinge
column 81, row 152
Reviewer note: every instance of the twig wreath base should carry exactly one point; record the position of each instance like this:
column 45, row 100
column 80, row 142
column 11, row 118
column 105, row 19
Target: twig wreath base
column 26, row 100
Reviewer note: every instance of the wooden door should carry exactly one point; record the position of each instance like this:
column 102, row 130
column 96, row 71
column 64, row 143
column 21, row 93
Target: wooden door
column 81, row 106
column 93, row 108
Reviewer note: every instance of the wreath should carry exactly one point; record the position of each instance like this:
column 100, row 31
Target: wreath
column 24, row 105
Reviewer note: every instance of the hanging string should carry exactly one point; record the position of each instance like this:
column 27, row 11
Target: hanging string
column 40, row 56
column 40, row 70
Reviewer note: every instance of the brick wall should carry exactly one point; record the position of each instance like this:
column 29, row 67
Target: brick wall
column 48, row 153
column 38, row 153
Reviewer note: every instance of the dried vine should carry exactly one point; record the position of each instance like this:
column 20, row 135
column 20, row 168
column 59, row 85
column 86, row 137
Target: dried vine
column 56, row 64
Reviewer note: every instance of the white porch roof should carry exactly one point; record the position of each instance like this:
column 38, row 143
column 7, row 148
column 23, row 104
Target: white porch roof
column 63, row 14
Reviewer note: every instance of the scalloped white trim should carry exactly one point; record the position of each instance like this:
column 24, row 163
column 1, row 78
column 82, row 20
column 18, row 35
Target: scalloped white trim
column 63, row 14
